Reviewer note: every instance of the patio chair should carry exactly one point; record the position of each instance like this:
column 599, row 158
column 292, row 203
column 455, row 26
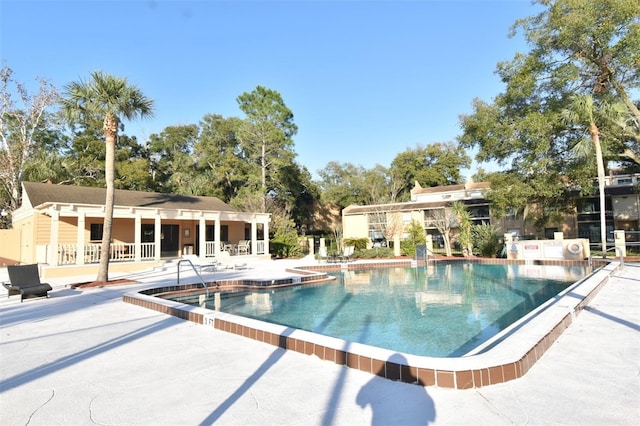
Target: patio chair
column 347, row 253
column 244, row 247
column 201, row 264
column 25, row 281
column 322, row 254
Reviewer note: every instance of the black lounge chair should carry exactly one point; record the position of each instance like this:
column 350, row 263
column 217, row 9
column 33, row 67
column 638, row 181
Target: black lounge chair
column 25, row 281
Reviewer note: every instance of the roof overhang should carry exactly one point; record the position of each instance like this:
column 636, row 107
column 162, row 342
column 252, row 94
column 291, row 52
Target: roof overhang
column 130, row 212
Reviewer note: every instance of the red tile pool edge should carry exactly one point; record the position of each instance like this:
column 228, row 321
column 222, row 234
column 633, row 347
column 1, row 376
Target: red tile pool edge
column 441, row 377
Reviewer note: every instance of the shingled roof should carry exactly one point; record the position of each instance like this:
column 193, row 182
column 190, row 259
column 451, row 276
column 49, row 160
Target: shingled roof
column 398, row 207
column 44, row 193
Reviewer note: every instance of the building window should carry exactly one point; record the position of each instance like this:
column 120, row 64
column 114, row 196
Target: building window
column 96, row 231
column 148, row 232
column 479, row 214
column 210, row 233
column 377, row 225
column 588, row 206
column 549, row 233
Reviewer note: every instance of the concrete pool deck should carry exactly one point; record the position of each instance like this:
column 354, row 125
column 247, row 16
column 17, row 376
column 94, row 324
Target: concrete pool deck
column 83, row 356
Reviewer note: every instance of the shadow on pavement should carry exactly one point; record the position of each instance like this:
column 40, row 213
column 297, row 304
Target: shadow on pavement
column 70, row 360
column 417, row 407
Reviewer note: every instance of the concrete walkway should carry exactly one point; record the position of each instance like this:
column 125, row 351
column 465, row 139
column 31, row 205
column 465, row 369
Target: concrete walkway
column 85, row 357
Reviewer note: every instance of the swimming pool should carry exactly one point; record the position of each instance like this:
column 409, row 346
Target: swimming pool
column 441, row 310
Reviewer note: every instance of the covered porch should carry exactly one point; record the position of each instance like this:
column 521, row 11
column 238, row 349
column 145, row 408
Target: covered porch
column 62, row 225
column 141, row 234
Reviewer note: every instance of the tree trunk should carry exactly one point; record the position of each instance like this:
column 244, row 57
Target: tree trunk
column 111, row 133
column 447, row 243
column 263, row 165
column 595, row 135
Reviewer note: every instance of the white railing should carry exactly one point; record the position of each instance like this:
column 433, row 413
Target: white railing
column 209, row 248
column 92, row 253
column 147, row 251
column 67, row 254
column 120, row 252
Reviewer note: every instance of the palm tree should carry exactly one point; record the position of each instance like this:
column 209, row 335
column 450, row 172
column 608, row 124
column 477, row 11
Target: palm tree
column 109, row 99
column 464, row 226
column 584, row 111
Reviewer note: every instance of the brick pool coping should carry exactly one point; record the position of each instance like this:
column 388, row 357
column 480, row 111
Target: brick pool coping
column 506, row 357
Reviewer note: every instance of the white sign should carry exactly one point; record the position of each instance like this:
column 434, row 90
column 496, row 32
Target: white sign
column 531, row 249
column 209, row 319
column 553, row 250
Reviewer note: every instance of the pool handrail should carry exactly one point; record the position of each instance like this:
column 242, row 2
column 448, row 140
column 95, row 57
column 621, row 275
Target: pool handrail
column 206, row 288
column 427, row 251
column 618, row 251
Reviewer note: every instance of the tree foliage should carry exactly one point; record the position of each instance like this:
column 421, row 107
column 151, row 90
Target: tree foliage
column 218, row 152
column 24, row 122
column 342, row 184
column 577, row 47
column 265, row 136
column 172, row 164
column 436, row 164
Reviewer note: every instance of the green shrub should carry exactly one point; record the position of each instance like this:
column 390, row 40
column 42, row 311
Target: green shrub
column 357, row 243
column 374, row 253
column 407, row 248
column 416, row 237
column 486, row 239
column 285, row 244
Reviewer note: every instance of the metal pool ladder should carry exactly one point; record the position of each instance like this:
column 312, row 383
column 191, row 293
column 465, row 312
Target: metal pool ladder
column 206, row 288
column 427, row 251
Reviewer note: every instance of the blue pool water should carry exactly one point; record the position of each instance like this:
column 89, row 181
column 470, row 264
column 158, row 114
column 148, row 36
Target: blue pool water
column 443, row 311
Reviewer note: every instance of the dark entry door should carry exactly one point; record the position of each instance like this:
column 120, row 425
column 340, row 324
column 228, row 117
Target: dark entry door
column 169, row 242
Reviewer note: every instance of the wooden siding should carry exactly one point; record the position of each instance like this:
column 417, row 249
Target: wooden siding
column 68, row 230
column 41, row 229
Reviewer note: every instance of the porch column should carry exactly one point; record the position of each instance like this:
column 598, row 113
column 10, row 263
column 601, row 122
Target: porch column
column 53, row 238
column 216, row 236
column 80, row 240
column 254, row 236
column 202, row 235
column 157, row 234
column 137, row 238
column 266, row 236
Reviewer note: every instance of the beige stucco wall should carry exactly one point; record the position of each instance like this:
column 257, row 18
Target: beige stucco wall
column 9, row 246
column 355, row 226
column 27, row 240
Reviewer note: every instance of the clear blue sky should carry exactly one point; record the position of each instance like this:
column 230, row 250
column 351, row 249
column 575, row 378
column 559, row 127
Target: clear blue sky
column 365, row 79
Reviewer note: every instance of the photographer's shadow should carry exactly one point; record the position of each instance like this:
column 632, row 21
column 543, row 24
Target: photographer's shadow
column 397, row 403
